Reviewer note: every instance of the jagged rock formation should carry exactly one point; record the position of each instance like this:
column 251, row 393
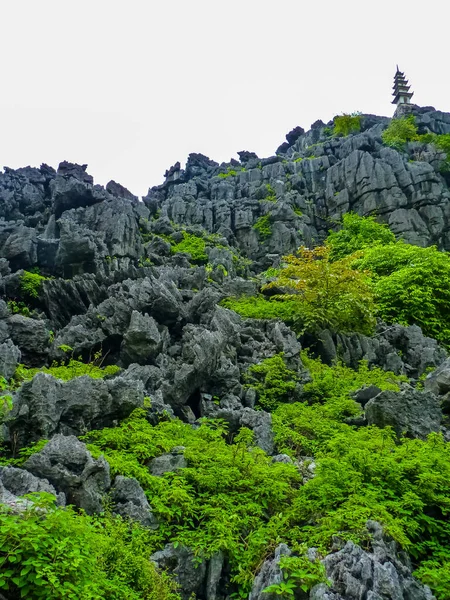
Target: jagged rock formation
column 113, row 285
column 384, row 573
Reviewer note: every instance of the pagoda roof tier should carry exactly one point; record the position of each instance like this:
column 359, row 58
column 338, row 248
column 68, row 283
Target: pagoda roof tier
column 401, row 88
column 402, row 95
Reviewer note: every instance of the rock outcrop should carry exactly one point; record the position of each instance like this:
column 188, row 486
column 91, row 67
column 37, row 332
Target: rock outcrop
column 384, row 573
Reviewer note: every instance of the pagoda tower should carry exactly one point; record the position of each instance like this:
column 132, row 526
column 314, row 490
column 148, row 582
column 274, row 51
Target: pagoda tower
column 401, row 94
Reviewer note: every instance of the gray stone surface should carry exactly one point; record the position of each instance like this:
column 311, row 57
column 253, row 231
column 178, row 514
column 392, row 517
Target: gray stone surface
column 270, row 574
column 69, row 467
column 45, row 406
column 411, row 412
column 384, row 573
column 189, row 574
column 167, row 463
column 130, row 501
column 10, row 356
column 20, row 482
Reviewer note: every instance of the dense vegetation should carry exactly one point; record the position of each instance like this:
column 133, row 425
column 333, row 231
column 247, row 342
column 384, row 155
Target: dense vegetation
column 360, row 273
column 232, row 497
column 51, row 553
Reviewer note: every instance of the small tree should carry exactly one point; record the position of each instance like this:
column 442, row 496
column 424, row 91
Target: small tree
column 346, row 124
column 329, row 294
column 400, row 131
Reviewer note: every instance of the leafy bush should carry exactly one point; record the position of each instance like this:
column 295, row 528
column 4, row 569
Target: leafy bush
column 411, row 286
column 263, row 226
column 5, row 399
column 54, row 554
column 328, row 294
column 18, row 308
column 335, row 384
column 228, row 498
column 259, row 307
column 299, row 573
column 193, row 245
column 273, row 382
column 346, row 124
column 358, row 233
column 74, row 368
column 400, row 131
column 30, row 284
column 271, row 195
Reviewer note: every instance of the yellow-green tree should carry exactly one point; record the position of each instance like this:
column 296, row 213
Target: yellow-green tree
column 329, row 294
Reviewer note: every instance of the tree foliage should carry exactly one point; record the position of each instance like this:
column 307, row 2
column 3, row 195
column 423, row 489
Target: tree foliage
column 400, row 131
column 328, row 294
column 356, row 234
column 346, row 124
column 411, row 286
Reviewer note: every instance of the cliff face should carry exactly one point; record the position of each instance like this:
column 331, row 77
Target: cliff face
column 140, row 281
column 315, row 180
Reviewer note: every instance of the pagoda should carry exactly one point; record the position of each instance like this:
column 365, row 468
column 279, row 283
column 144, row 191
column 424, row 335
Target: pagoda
column 401, row 94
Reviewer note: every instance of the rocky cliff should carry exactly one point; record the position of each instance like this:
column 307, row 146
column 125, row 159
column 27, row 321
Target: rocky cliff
column 98, row 275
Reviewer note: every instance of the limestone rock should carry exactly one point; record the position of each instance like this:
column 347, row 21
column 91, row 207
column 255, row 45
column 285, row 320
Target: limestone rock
column 130, row 501
column 69, row 467
column 411, row 413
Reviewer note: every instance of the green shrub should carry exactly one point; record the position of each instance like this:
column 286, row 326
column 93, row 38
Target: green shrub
column 399, row 132
column 54, row 554
column 346, row 124
column 229, row 497
column 273, row 382
column 358, row 233
column 193, row 245
column 230, row 173
column 411, row 286
column 18, row 308
column 263, row 226
column 335, row 384
column 259, row 307
column 74, row 368
column 30, row 284
column 5, row 399
column 299, row 573
column 271, row 195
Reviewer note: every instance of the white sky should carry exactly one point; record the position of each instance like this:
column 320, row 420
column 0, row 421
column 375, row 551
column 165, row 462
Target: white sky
column 132, row 86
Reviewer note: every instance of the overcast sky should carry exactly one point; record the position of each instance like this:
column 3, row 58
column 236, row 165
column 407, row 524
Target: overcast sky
column 131, row 87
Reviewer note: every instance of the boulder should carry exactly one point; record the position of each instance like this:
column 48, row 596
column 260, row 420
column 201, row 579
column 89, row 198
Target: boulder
column 270, row 574
column 45, row 406
column 438, row 382
column 261, row 424
column 31, row 337
column 67, row 464
column 167, row 463
column 20, row 482
column 182, row 563
column 411, row 413
column 130, row 502
column 142, row 342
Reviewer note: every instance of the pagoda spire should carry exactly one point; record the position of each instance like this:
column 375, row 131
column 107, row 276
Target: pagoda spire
column 401, row 93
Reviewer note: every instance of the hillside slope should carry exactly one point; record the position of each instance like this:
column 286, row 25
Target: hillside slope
column 245, row 461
